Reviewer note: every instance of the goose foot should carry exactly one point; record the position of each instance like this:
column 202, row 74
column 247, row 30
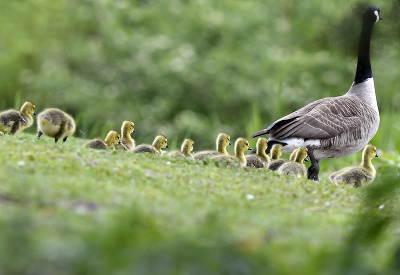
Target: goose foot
column 313, row 170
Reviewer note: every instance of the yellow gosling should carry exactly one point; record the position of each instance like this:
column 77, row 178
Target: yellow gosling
column 276, row 161
column 127, row 142
column 260, row 159
column 241, row 145
column 14, row 122
column 159, row 143
column 359, row 175
column 186, row 149
column 223, row 140
column 112, row 138
column 56, row 124
column 296, row 168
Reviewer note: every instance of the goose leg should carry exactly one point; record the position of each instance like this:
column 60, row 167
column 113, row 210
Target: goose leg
column 313, row 170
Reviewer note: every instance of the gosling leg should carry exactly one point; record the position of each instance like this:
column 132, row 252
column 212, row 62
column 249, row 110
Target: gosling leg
column 39, row 134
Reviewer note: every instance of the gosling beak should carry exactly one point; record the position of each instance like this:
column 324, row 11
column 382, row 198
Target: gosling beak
column 134, row 130
column 119, row 142
column 307, row 159
column 250, row 148
column 376, row 156
column 230, row 143
column 34, row 113
column 167, row 146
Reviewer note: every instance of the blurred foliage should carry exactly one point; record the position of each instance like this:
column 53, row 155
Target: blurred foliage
column 188, row 68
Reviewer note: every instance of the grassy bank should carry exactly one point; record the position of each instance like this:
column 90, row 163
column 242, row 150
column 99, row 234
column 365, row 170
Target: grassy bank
column 70, row 210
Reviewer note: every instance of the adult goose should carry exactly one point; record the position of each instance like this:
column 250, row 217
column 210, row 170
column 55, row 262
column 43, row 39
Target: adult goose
column 334, row 127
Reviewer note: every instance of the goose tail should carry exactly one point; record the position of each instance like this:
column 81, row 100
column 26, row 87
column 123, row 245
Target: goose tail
column 259, row 133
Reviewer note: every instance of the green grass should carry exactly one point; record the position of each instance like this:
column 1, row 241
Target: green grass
column 70, row 210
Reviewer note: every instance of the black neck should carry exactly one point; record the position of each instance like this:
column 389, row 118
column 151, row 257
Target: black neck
column 364, row 70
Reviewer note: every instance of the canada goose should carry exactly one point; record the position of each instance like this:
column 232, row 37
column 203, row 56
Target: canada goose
column 260, row 159
column 297, row 168
column 360, row 175
column 127, row 142
column 275, row 161
column 223, row 140
column 186, row 149
column 334, row 127
column 158, row 143
column 16, row 121
column 55, row 124
column 112, row 138
column 241, row 145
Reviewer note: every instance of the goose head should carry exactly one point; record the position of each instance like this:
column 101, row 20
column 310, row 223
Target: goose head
column 160, row 142
column 112, row 138
column 372, row 14
column 276, row 151
column 28, row 108
column 187, row 146
column 241, row 145
column 127, row 128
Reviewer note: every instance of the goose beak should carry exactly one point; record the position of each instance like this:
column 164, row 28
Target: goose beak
column 250, row 148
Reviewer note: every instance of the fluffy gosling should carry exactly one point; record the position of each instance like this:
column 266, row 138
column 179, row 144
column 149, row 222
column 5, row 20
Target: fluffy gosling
column 276, row 161
column 260, row 159
column 127, row 142
column 186, row 149
column 55, row 124
column 360, row 175
column 223, row 140
column 241, row 145
column 112, row 138
column 15, row 121
column 159, row 143
column 296, row 168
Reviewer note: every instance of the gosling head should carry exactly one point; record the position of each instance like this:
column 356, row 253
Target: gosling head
column 242, row 145
column 262, row 144
column 370, row 152
column 187, row 146
column 160, row 142
column 28, row 108
column 223, row 139
column 112, row 138
column 128, row 127
column 276, row 151
column 301, row 154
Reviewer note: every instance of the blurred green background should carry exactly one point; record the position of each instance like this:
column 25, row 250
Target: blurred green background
column 191, row 68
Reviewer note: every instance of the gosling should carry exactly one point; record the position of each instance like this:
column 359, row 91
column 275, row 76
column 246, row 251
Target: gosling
column 186, row 149
column 260, row 159
column 360, row 175
column 276, row 161
column 241, row 145
column 14, row 121
column 127, row 142
column 159, row 143
column 296, row 168
column 223, row 140
column 112, row 138
column 56, row 124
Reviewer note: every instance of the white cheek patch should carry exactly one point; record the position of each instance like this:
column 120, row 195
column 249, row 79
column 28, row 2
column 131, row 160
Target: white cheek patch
column 377, row 16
